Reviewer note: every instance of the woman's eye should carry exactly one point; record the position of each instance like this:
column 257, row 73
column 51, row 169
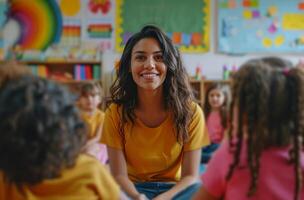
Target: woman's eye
column 158, row 58
column 139, row 57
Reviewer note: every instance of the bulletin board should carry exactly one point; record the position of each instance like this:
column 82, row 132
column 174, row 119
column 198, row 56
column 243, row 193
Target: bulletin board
column 185, row 22
column 259, row 26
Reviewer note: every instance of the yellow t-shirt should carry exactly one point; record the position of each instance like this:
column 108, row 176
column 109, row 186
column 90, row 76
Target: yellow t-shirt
column 93, row 122
column 88, row 180
column 153, row 154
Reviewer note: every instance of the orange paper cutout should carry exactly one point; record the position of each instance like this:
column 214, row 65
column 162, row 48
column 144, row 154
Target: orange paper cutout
column 301, row 6
column 196, row 38
column 177, row 38
column 246, row 3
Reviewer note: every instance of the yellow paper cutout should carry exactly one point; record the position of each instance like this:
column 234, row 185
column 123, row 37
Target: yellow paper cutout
column 267, row 42
column 279, row 40
column 272, row 10
column 293, row 21
column 247, row 14
column 69, row 9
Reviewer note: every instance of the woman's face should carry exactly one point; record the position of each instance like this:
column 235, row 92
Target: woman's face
column 216, row 98
column 147, row 65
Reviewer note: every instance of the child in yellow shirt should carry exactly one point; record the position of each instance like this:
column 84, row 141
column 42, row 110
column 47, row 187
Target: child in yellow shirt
column 89, row 103
column 40, row 141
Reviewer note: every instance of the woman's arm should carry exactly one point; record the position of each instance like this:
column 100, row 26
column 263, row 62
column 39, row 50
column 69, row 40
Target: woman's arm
column 190, row 174
column 119, row 171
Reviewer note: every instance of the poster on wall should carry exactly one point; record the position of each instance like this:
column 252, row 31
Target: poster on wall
column 185, row 22
column 255, row 26
column 98, row 26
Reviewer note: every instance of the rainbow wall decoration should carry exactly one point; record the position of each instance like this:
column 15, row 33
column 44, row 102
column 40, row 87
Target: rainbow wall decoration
column 99, row 30
column 40, row 22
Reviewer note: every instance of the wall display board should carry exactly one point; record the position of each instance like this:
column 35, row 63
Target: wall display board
column 259, row 26
column 185, row 22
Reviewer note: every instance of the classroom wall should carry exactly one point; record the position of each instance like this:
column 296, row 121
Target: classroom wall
column 211, row 62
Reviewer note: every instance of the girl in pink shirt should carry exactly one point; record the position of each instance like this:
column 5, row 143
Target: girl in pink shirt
column 215, row 110
column 263, row 158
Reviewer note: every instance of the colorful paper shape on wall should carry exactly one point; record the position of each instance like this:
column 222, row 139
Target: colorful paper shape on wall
column 267, row 42
column 247, row 14
column 102, row 6
column 279, row 40
column 41, row 22
column 293, row 21
column 99, row 30
column 69, row 9
column 71, row 33
column 301, row 6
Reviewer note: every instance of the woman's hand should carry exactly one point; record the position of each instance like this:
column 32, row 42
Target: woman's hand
column 141, row 197
column 162, row 196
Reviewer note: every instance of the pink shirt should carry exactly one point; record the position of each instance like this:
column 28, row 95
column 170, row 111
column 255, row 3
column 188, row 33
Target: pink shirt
column 215, row 129
column 276, row 177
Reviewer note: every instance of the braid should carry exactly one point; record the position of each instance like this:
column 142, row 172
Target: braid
column 256, row 106
column 251, row 141
column 297, row 101
column 238, row 145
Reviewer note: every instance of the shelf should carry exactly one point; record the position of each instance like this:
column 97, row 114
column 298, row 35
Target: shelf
column 62, row 62
column 73, row 81
column 72, row 73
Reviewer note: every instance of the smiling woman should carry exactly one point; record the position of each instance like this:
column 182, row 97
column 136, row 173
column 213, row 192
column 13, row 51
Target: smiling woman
column 153, row 129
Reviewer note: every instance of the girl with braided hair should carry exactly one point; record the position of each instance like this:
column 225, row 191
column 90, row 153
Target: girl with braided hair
column 263, row 158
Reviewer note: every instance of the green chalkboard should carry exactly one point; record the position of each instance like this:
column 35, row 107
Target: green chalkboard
column 185, row 22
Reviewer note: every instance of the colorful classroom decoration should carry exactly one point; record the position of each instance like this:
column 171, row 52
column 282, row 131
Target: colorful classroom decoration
column 255, row 26
column 185, row 22
column 103, row 6
column 71, row 32
column 99, row 30
column 69, row 9
column 40, row 22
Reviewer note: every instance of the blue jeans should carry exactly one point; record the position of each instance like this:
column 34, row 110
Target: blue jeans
column 208, row 151
column 153, row 189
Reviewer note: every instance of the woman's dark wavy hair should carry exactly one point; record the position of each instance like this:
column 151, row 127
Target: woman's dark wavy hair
column 41, row 132
column 269, row 95
column 224, row 107
column 176, row 88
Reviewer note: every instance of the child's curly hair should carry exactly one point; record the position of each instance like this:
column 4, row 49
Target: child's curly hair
column 41, row 132
column 270, row 100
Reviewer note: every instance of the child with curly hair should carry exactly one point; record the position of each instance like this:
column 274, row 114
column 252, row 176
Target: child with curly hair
column 40, row 143
column 263, row 158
